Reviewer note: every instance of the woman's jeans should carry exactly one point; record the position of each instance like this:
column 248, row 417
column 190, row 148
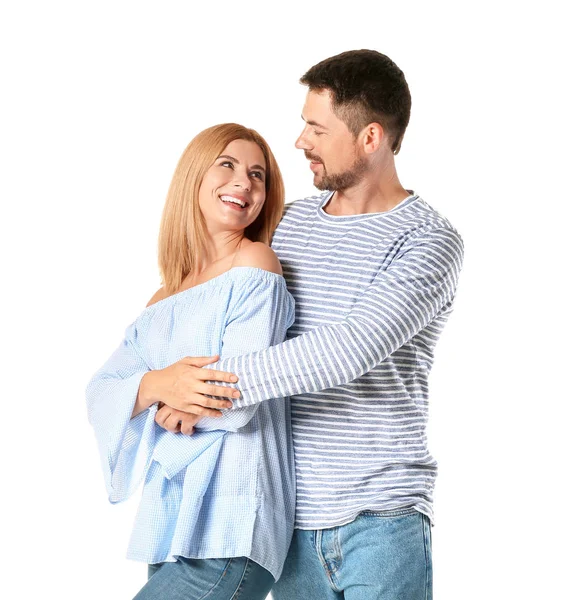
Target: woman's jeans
column 207, row 579
column 379, row 556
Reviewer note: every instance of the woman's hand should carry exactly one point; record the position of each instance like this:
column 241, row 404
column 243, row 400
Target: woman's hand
column 182, row 386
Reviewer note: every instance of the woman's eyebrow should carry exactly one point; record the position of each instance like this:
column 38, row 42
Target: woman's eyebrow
column 237, row 162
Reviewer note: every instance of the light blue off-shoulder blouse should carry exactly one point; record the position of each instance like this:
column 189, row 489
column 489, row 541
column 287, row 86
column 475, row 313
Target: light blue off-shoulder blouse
column 229, row 489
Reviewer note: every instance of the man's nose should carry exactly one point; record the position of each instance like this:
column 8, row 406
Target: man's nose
column 302, row 143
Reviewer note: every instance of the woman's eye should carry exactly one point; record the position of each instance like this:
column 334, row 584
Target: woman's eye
column 226, row 163
column 257, row 174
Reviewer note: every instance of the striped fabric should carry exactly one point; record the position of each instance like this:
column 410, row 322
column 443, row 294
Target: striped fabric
column 228, row 490
column 373, row 293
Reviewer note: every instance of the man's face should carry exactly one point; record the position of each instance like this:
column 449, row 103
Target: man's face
column 335, row 155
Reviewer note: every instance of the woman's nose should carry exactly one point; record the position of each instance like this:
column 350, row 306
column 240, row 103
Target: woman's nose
column 242, row 180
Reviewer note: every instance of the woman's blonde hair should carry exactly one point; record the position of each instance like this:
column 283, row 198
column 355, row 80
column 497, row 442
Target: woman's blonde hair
column 182, row 237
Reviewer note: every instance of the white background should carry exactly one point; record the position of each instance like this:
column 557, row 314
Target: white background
column 98, row 101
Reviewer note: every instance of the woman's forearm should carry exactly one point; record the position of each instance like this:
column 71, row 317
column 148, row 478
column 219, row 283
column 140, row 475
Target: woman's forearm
column 144, row 394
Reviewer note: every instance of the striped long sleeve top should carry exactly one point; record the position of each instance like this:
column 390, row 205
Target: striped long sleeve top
column 373, row 293
column 228, row 490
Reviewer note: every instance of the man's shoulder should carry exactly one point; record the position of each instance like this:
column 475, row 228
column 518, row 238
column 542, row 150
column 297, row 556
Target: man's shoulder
column 304, row 206
column 424, row 225
column 424, row 217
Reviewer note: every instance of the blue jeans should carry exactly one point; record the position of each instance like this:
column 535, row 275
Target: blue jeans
column 209, row 579
column 379, row 556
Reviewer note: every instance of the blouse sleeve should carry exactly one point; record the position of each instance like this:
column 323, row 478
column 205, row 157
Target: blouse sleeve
column 124, row 444
column 262, row 312
column 260, row 319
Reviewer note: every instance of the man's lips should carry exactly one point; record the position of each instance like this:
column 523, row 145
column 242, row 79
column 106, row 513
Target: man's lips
column 315, row 161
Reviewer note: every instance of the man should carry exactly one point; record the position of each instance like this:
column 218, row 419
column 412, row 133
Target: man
column 373, row 270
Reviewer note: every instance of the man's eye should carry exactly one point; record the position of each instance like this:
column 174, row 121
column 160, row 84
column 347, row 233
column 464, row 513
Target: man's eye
column 317, row 132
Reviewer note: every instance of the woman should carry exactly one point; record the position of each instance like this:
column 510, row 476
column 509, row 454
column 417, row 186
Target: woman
column 217, row 509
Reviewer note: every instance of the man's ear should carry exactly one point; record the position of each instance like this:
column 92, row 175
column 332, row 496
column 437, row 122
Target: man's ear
column 372, row 137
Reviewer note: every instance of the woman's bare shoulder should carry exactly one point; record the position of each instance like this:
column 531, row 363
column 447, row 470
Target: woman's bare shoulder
column 259, row 255
column 158, row 295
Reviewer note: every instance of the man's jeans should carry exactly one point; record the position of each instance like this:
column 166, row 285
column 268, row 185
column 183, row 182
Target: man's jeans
column 379, row 556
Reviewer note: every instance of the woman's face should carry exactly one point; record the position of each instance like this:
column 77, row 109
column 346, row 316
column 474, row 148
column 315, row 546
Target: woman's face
column 232, row 192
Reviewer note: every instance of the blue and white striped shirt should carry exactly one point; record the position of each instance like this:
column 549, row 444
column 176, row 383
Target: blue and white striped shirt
column 229, row 489
column 373, row 293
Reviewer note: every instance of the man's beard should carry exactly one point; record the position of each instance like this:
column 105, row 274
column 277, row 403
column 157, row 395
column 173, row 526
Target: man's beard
column 337, row 182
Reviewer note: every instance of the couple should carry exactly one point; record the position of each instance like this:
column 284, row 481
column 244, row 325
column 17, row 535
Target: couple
column 373, row 271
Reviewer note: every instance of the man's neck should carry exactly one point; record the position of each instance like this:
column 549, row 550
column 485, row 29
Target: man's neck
column 370, row 195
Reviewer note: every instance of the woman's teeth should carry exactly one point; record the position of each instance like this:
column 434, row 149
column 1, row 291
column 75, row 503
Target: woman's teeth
column 233, row 200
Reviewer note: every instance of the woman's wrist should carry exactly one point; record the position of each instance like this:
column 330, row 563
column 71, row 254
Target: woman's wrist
column 144, row 394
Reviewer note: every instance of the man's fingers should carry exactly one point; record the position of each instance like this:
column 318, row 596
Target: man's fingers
column 167, row 419
column 186, row 427
column 172, row 424
column 180, row 421
column 161, row 415
column 199, row 361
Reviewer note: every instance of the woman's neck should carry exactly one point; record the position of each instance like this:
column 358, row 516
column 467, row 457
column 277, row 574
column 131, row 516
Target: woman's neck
column 220, row 246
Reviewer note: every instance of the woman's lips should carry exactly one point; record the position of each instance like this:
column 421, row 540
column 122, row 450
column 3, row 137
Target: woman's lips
column 234, row 202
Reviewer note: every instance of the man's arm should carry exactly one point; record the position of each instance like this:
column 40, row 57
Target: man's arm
column 400, row 302
column 418, row 285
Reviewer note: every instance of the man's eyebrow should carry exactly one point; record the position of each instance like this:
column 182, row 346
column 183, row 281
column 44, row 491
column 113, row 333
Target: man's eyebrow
column 237, row 162
column 314, row 124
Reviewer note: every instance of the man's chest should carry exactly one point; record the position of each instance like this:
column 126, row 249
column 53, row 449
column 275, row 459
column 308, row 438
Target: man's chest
column 328, row 271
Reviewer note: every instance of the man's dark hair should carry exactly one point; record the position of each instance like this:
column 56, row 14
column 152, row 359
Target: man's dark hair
column 366, row 87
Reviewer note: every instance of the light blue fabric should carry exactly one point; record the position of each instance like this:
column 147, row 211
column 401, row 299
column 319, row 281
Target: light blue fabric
column 211, row 579
column 228, row 490
column 379, row 555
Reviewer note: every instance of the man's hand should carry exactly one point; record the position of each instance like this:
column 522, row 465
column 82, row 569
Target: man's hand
column 182, row 386
column 175, row 421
